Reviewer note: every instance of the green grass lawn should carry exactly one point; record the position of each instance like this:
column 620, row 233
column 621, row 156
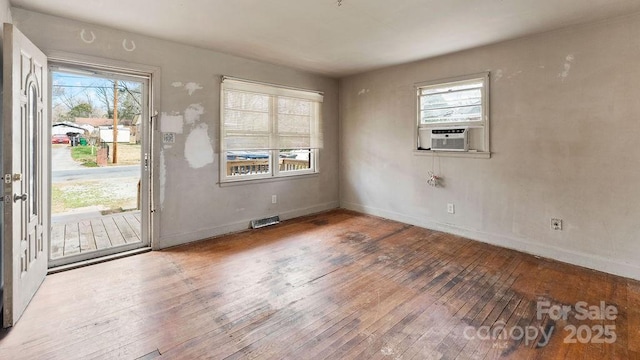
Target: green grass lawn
column 128, row 154
column 85, row 155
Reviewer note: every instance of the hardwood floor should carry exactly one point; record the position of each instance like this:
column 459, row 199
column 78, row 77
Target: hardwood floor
column 337, row 285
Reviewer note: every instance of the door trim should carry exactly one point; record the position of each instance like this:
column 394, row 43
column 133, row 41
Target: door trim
column 151, row 75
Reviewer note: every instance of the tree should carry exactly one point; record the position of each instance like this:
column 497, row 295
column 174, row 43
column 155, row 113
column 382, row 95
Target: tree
column 129, row 103
column 130, row 100
column 82, row 110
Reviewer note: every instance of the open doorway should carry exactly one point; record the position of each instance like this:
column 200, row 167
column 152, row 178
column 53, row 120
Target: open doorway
column 99, row 158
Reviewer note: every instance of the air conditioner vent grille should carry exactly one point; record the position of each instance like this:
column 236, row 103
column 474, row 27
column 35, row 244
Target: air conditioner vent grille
column 450, row 139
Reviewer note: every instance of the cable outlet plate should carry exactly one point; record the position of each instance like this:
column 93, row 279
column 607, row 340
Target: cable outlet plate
column 556, row 224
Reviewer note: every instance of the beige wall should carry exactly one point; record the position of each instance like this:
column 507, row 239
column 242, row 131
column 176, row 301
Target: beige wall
column 191, row 205
column 565, row 128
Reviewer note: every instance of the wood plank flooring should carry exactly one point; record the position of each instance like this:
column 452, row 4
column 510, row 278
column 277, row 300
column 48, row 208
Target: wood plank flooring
column 337, row 285
column 80, row 236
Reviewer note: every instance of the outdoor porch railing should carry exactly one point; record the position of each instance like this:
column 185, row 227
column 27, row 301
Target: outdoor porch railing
column 261, row 166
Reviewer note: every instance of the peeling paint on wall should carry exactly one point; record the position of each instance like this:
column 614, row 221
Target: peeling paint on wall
column 163, row 178
column 197, row 148
column 193, row 113
column 567, row 67
column 171, row 123
column 191, row 87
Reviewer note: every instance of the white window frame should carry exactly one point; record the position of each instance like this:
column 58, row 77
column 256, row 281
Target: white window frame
column 480, row 125
column 274, row 154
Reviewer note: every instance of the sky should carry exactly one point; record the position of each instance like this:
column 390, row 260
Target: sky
column 77, row 88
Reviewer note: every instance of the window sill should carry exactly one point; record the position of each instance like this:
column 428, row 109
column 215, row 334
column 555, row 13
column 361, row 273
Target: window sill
column 266, row 180
column 458, row 154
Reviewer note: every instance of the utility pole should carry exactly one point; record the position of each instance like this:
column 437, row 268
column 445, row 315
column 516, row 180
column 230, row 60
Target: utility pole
column 115, row 121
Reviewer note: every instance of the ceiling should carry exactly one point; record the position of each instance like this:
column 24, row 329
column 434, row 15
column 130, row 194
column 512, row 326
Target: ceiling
column 322, row 37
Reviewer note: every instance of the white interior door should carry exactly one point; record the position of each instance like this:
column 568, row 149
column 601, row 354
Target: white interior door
column 26, row 171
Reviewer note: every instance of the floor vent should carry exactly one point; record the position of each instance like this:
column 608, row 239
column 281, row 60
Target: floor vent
column 256, row 224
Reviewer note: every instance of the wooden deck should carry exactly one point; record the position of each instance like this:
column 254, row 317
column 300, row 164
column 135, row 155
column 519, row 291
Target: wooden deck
column 337, row 285
column 80, row 236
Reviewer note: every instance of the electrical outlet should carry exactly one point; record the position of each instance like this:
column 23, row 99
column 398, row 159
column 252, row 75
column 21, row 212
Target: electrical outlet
column 556, row 224
column 274, row 199
column 451, row 209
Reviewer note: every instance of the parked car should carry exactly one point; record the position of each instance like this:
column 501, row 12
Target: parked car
column 60, row 139
column 247, row 155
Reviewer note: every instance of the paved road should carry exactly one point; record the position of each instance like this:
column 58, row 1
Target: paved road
column 95, row 173
column 65, row 169
column 61, row 158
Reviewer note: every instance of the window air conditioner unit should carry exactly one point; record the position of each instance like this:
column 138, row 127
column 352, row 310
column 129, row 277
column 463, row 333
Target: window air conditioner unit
column 450, row 139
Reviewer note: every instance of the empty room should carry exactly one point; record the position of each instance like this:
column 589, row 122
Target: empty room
column 326, row 179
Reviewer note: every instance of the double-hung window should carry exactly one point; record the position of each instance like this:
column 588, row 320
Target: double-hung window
column 455, row 105
column 268, row 131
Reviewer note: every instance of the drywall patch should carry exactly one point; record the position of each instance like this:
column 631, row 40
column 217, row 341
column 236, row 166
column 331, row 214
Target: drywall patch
column 193, row 113
column 567, row 67
column 363, row 91
column 88, row 40
column 163, row 178
column 499, row 74
column 514, row 74
column 129, row 48
column 171, row 123
column 191, row 87
column 197, row 148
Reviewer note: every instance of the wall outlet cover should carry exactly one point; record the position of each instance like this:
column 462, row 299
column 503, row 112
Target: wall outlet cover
column 168, row 138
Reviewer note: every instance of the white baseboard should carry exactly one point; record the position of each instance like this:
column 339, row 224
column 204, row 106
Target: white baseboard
column 586, row 260
column 187, row 237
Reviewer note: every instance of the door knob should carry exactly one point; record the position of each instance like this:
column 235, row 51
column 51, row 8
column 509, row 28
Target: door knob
column 22, row 197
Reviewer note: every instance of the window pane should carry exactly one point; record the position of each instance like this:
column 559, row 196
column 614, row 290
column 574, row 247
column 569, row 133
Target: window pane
column 294, row 142
column 245, row 163
column 246, row 142
column 246, row 111
column 32, row 104
column 294, row 106
column 235, row 120
column 295, row 124
column 268, row 130
column 459, row 98
column 295, row 160
column 246, row 101
column 460, row 114
column 450, row 104
column 451, row 87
